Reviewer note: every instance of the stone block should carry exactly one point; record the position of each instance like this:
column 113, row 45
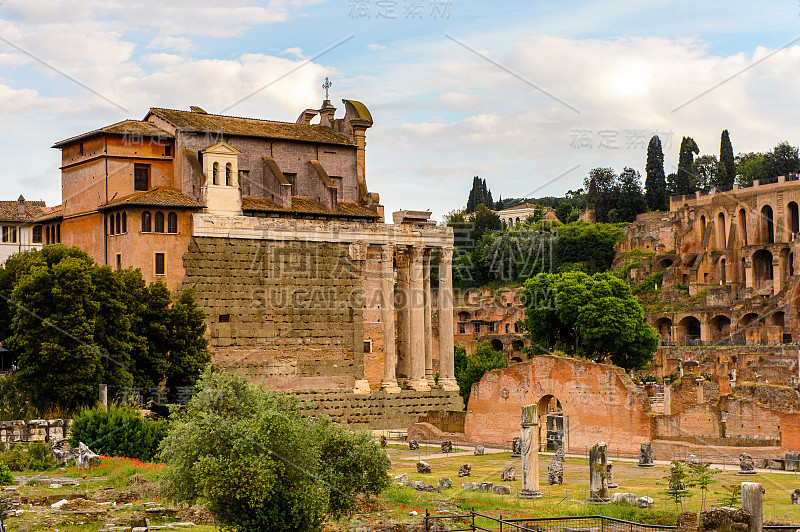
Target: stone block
column 502, row 489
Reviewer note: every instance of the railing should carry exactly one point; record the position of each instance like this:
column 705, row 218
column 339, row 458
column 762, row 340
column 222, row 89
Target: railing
column 473, row 521
column 732, row 340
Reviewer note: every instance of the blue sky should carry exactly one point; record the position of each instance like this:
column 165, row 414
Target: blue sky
column 455, row 87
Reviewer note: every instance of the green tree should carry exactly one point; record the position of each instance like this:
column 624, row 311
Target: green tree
column 594, row 316
column 259, row 462
column 603, row 194
column 482, row 360
column 707, row 173
column 350, row 464
column 479, row 195
column 74, row 324
column 482, row 221
column 188, row 347
column 655, row 182
column 782, row 160
column 749, row 167
column 53, row 334
column 702, row 476
column 727, row 168
column 630, row 199
column 685, row 180
column 118, row 431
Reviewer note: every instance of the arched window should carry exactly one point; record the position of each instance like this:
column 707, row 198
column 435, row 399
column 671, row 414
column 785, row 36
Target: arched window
column 118, row 226
column 146, row 227
column 47, row 235
column 110, row 224
column 58, row 233
column 214, row 173
column 743, row 226
column 158, row 222
column 172, row 223
column 767, row 225
column 228, row 176
column 124, row 222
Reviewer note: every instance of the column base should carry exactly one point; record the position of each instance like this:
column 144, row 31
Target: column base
column 449, row 384
column 390, row 387
column 529, row 494
column 419, row 385
column 361, row 387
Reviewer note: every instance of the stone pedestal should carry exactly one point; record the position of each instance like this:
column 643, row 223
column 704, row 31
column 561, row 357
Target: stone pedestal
column 752, row 501
column 598, row 468
column 529, row 435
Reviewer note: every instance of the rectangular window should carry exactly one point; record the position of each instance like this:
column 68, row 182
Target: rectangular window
column 367, row 346
column 476, row 327
column 160, row 264
column 224, row 318
column 37, row 234
column 167, row 150
column 9, row 233
column 119, row 261
column 141, row 177
column 291, row 178
column 491, row 327
column 462, row 328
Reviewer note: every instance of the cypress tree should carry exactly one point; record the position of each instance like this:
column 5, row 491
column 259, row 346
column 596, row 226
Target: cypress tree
column 685, row 181
column 655, row 181
column 727, row 165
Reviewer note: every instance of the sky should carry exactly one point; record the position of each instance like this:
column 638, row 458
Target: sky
column 527, row 95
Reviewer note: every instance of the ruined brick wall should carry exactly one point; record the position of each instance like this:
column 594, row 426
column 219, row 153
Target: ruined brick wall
column 694, row 423
column 600, row 403
column 746, row 419
column 780, row 398
column 380, row 410
column 284, row 313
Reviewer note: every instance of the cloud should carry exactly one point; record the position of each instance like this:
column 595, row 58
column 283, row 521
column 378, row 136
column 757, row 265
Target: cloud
column 376, row 47
column 166, row 42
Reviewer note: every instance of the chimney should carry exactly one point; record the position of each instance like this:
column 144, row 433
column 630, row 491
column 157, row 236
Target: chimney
column 21, row 207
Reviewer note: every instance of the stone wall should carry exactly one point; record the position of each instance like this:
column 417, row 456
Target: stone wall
column 599, row 402
column 284, row 313
column 379, row 410
column 34, row 430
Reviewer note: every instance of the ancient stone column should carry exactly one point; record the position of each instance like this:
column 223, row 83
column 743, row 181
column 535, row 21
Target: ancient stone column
column 598, row 482
column 529, row 435
column 447, row 375
column 103, row 391
column 389, row 381
column 777, row 274
column 748, row 273
column 403, row 352
column 416, row 378
column 752, row 498
column 426, row 289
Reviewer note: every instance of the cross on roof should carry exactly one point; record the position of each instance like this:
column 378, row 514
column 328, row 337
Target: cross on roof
column 327, row 85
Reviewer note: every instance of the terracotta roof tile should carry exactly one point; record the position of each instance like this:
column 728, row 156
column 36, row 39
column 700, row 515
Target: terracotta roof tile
column 134, row 128
column 157, row 197
column 50, row 213
column 307, row 206
column 9, row 210
column 248, row 127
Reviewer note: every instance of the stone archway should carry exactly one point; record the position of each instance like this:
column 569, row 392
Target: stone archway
column 720, row 328
column 497, row 345
column 553, row 432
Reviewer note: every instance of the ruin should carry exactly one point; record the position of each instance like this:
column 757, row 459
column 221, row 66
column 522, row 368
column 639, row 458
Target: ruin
column 529, row 436
column 598, row 471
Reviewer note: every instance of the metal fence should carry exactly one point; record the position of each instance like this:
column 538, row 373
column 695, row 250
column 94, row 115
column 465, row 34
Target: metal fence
column 473, row 521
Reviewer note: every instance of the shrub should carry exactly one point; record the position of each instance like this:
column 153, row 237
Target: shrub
column 260, row 463
column 6, row 478
column 118, row 431
column 33, row 457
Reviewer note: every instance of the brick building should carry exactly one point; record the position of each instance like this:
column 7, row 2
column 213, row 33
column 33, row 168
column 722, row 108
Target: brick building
column 735, row 253
column 273, row 226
